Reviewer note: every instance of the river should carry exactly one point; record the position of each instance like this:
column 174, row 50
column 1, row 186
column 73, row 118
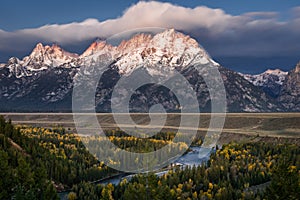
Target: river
column 195, row 157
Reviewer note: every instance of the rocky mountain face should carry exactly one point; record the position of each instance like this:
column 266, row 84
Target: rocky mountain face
column 270, row 81
column 44, row 80
column 290, row 93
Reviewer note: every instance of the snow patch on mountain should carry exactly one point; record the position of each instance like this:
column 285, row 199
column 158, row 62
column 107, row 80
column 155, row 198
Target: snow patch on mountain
column 277, row 76
column 270, row 81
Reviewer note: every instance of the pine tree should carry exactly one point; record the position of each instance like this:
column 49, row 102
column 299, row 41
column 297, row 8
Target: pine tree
column 285, row 183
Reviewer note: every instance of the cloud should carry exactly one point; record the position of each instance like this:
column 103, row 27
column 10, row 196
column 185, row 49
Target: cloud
column 296, row 12
column 222, row 34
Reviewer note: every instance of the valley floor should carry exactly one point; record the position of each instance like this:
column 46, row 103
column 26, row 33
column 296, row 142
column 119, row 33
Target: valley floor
column 237, row 125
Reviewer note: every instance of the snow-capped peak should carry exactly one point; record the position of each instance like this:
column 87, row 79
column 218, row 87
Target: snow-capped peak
column 51, row 52
column 41, row 58
column 169, row 49
column 270, row 81
column 277, row 72
column 136, row 42
column 271, row 75
column 38, row 48
column 48, row 56
column 96, row 47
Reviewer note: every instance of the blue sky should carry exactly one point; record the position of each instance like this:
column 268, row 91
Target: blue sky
column 17, row 14
column 248, row 49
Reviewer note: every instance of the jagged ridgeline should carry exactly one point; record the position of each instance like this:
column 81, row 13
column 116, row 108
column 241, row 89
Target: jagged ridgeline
column 44, row 80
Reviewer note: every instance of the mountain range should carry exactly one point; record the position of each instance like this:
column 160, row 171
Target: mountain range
column 43, row 81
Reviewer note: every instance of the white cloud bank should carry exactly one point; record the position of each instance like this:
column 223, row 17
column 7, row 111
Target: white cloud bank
column 254, row 34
